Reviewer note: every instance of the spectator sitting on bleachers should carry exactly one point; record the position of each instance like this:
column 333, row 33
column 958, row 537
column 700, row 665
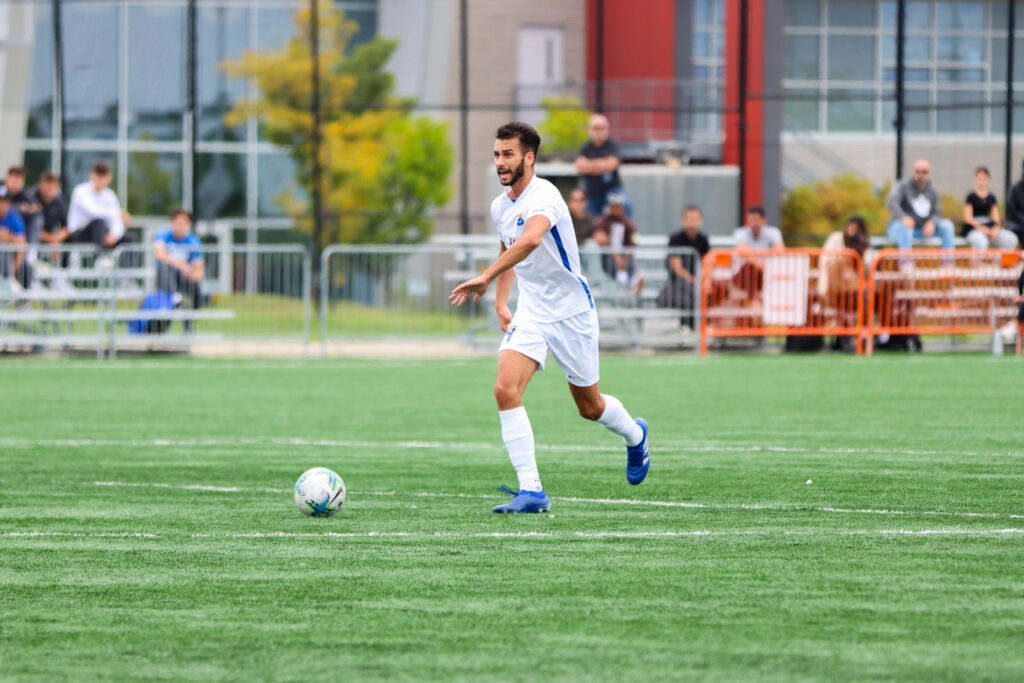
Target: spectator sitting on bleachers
column 916, row 213
column 22, row 202
column 582, row 221
column 682, row 283
column 53, row 210
column 839, row 282
column 615, row 231
column 1015, row 210
column 95, row 214
column 981, row 216
column 12, row 231
column 179, row 257
column 1020, row 311
column 756, row 234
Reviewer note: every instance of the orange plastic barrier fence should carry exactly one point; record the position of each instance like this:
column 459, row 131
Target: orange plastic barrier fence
column 793, row 292
column 941, row 292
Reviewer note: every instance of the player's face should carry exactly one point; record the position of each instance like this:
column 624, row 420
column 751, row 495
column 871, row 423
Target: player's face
column 100, row 182
column 509, row 161
column 755, row 220
column 981, row 180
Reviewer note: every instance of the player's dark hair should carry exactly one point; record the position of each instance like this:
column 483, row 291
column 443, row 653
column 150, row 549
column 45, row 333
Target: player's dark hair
column 101, row 168
column 182, row 212
column 529, row 139
column 49, row 176
column 18, row 171
column 693, row 207
column 982, row 169
column 759, row 210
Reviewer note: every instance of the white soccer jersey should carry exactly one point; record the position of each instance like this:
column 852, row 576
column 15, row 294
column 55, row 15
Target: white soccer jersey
column 551, row 285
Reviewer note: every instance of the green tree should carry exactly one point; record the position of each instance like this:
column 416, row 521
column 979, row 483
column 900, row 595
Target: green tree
column 811, row 212
column 383, row 166
column 564, row 128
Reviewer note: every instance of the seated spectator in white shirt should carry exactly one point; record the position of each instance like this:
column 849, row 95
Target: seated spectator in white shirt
column 756, row 234
column 95, row 215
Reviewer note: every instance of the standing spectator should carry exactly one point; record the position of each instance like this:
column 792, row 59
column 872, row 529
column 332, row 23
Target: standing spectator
column 981, row 216
column 614, row 230
column 95, row 213
column 756, row 234
column 1015, row 210
column 12, row 232
column 598, row 163
column 682, row 281
column 582, row 220
column 179, row 259
column 916, row 213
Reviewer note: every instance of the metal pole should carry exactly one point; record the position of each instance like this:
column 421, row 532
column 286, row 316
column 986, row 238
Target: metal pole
column 599, row 50
column 318, row 201
column 191, row 104
column 744, row 58
column 1011, row 18
column 58, row 76
column 900, row 122
column 464, row 116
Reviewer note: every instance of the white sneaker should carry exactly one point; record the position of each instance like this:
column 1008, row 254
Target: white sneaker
column 104, row 263
column 1008, row 332
column 14, row 286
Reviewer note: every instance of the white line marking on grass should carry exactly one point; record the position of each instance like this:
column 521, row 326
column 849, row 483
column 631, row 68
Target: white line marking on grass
column 680, row 447
column 527, row 534
column 67, row 534
column 595, row 501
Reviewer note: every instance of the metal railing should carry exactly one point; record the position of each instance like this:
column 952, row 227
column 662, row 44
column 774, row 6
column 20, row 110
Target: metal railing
column 375, row 292
column 80, row 297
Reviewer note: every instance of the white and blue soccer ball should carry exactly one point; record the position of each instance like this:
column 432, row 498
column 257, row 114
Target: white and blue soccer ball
column 319, row 492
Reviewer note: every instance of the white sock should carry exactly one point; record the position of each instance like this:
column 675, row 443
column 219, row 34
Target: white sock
column 617, row 419
column 517, row 434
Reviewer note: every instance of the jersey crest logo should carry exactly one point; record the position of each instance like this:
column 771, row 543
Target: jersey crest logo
column 519, row 220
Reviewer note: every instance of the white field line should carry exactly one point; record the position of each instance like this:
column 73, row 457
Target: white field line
column 678, row 447
column 596, row 501
column 526, row 534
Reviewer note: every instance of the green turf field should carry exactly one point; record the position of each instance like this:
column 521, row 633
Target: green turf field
column 804, row 518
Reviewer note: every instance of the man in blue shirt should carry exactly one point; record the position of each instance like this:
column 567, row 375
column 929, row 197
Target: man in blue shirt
column 179, row 259
column 12, row 232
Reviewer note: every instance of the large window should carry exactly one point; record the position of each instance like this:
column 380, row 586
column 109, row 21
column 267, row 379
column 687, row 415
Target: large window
column 125, row 85
column 840, row 66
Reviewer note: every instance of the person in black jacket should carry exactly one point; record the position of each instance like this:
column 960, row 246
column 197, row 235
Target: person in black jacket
column 1015, row 210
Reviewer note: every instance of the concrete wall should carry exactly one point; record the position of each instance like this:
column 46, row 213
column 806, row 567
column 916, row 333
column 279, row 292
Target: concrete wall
column 952, row 160
column 658, row 193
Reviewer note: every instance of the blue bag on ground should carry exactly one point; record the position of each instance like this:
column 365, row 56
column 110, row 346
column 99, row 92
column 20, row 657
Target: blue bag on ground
column 153, row 303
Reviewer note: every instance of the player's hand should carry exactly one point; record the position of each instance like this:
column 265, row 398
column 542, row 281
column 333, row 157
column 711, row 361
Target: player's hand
column 504, row 317
column 908, row 222
column 928, row 229
column 475, row 287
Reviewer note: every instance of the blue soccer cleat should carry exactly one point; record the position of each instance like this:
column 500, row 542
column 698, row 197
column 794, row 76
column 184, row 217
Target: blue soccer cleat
column 638, row 457
column 524, row 501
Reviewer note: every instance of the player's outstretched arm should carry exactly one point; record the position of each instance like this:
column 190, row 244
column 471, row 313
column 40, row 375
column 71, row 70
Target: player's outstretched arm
column 533, row 234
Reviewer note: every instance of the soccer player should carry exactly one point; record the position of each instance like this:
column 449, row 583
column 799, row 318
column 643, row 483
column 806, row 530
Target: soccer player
column 555, row 313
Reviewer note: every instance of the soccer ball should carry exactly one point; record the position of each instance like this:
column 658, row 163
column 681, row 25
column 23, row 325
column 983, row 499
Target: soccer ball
column 319, row 492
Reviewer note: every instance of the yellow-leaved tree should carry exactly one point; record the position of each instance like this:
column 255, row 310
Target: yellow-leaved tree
column 383, row 166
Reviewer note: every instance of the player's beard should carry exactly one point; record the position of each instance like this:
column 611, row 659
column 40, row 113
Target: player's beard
column 517, row 173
